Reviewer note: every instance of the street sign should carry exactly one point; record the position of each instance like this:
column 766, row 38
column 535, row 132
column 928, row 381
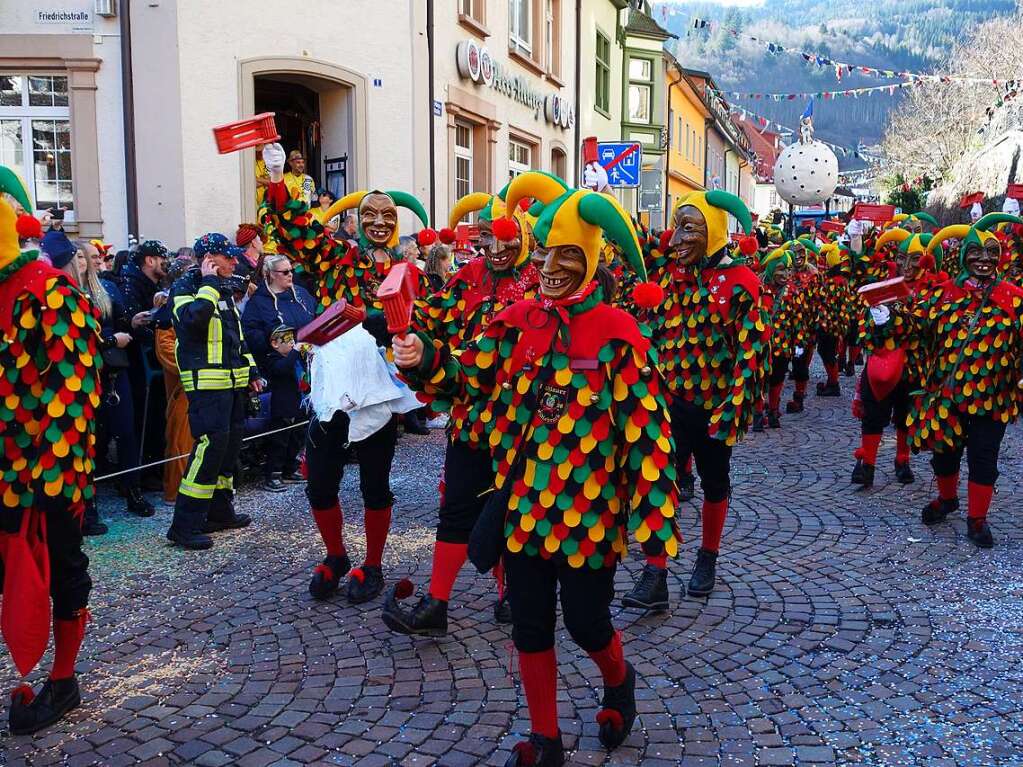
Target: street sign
column 622, row 160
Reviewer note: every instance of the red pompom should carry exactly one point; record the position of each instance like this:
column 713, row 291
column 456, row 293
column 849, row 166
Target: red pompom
column 647, row 295
column 426, row 237
column 403, row 589
column 666, row 236
column 22, row 695
column 447, row 235
column 858, row 454
column 28, row 227
column 748, row 245
column 926, row 262
column 525, row 204
column 505, row 229
column 611, row 717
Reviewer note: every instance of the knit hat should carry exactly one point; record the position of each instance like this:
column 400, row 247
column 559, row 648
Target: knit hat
column 58, row 248
column 247, row 233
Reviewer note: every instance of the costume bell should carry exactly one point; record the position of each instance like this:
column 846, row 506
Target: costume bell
column 49, row 393
column 569, row 391
column 353, row 274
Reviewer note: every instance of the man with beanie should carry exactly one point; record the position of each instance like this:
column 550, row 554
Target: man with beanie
column 216, row 370
column 57, row 248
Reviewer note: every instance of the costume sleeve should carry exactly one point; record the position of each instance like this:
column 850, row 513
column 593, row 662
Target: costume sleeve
column 193, row 311
column 297, row 232
column 444, row 377
column 165, row 350
column 437, row 316
column 645, row 453
column 732, row 418
column 62, row 475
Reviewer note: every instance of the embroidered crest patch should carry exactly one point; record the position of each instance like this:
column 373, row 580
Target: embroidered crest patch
column 551, row 403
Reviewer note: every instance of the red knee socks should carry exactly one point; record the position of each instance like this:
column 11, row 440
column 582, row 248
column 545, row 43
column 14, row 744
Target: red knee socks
column 774, row 396
column 901, row 446
column 660, row 560
column 689, row 464
column 378, row 522
column 540, row 681
column 448, row 559
column 978, row 500
column 948, row 487
column 832, row 369
column 713, row 514
column 67, row 639
column 498, row 573
column 854, row 353
column 611, row 662
column 801, row 388
column 330, row 523
column 868, row 448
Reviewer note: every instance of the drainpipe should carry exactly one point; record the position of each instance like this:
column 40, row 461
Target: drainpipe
column 578, row 87
column 128, row 118
column 667, row 157
column 432, row 118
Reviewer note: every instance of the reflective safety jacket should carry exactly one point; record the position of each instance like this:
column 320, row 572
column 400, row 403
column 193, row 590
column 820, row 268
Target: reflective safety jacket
column 211, row 350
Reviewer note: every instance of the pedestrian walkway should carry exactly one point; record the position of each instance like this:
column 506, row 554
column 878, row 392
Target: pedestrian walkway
column 842, row 632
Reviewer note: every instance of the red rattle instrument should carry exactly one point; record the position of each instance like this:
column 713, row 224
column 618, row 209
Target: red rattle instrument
column 336, row 320
column 242, row 134
column 398, row 293
column 885, row 292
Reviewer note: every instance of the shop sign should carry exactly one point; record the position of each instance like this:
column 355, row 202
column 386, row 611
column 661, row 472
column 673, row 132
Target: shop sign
column 475, row 63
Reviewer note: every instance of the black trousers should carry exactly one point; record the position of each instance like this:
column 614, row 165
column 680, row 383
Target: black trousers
column 689, row 424
column 801, row 365
column 827, row 348
column 70, row 583
column 879, row 413
column 586, row 596
column 327, row 450
column 468, row 474
column 983, row 441
column 779, row 369
column 217, row 421
column 117, row 422
column 282, row 449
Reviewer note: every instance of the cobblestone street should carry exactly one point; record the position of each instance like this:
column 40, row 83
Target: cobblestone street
column 842, row 632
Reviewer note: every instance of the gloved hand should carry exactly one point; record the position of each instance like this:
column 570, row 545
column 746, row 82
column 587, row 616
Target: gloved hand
column 799, row 352
column 595, row 177
column 274, row 157
column 880, row 314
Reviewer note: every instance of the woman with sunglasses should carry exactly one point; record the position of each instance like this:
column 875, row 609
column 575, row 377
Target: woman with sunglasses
column 273, row 316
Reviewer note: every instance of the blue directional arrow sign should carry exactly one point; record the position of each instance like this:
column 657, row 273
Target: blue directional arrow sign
column 623, row 161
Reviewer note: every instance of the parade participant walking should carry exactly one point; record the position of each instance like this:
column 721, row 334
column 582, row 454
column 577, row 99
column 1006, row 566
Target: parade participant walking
column 806, row 302
column 778, row 303
column 49, row 394
column 216, row 370
column 711, row 336
column 971, row 332
column 352, row 273
column 582, row 449
column 835, row 299
column 451, row 318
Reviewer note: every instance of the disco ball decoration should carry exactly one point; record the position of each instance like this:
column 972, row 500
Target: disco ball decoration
column 806, row 174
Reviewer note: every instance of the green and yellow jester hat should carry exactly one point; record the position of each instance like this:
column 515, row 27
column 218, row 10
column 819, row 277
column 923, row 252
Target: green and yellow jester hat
column 909, row 242
column 779, row 258
column 978, row 234
column 834, row 257
column 11, row 183
column 400, row 199
column 582, row 218
column 914, row 218
column 491, row 207
column 715, row 207
column 779, row 252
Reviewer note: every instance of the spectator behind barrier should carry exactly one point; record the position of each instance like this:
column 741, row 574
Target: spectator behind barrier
column 438, row 266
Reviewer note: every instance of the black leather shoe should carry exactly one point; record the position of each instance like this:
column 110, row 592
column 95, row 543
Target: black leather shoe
column 327, row 576
column 90, row 520
column 849, row 370
column 794, row 406
column 273, row 485
column 903, row 473
column 234, row 522
column 758, row 422
column 618, row 710
column 538, row 751
column 773, row 419
column 502, row 611
column 977, row 530
column 414, row 426
column 686, row 487
column 702, row 581
column 292, row 478
column 137, row 503
column 936, row 511
column 54, row 701
column 650, row 591
column 862, row 474
column 191, row 539
column 365, row 584
column 428, row 618
column 828, row 389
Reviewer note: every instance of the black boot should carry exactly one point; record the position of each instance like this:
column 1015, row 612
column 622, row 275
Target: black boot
column 758, row 422
column 773, row 419
column 936, row 511
column 54, row 701
column 862, row 474
column 414, row 424
column 702, row 581
column 192, row 540
column 650, row 591
column 273, row 484
column 903, row 473
column 90, row 520
column 828, row 389
column 977, row 530
column 365, row 584
column 618, row 710
column 538, row 751
column 428, row 618
column 849, row 370
column 796, row 404
column 233, row 522
column 327, row 576
column 686, row 487
column 502, row 611
column 137, row 503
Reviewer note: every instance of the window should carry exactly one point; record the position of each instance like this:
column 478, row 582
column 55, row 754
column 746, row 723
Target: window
column 520, row 25
column 639, row 103
column 474, row 11
column 463, row 159
column 689, row 155
column 518, row 158
column 35, row 137
column 603, row 80
column 639, row 69
column 559, row 163
column 552, row 37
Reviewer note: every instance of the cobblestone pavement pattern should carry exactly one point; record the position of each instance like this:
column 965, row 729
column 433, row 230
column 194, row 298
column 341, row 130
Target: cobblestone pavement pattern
column 842, row 632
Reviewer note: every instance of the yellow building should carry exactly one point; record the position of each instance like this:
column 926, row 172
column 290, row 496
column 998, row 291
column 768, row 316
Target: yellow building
column 687, row 135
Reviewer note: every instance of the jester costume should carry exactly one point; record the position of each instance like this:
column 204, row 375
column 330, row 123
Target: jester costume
column 971, row 335
column 49, row 393
column 783, row 307
column 711, row 335
column 450, row 319
column 834, row 315
column 806, row 286
column 353, row 274
column 570, row 397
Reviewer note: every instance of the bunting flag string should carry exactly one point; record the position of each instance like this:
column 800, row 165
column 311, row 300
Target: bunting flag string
column 841, row 68
column 890, row 90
